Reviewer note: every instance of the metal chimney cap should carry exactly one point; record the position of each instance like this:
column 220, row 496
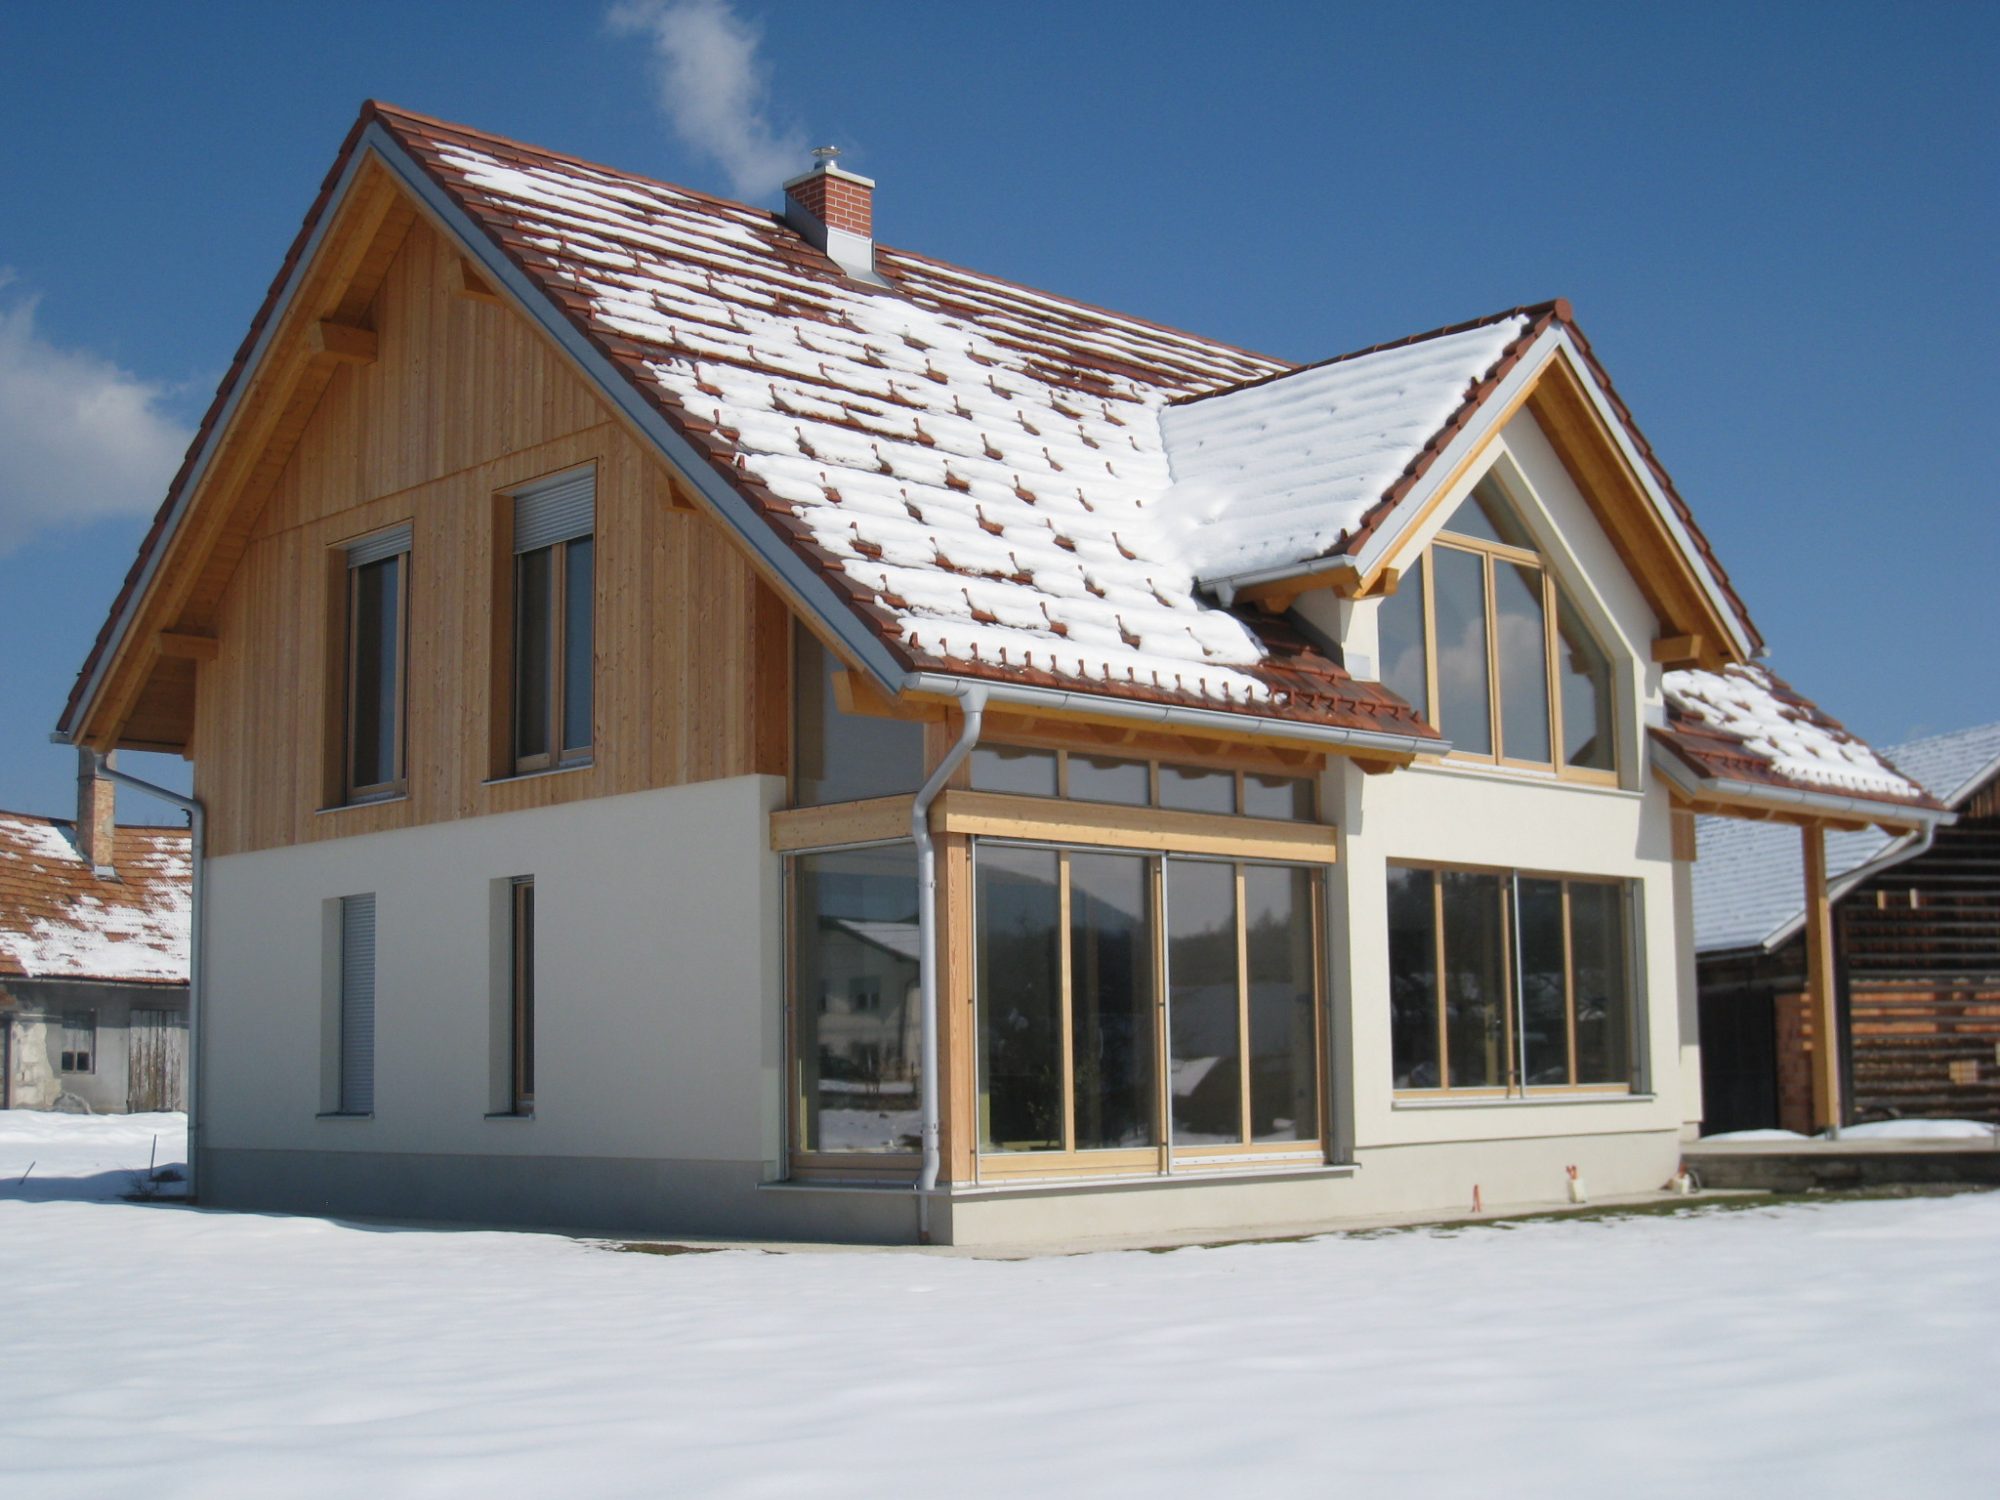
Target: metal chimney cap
column 825, row 156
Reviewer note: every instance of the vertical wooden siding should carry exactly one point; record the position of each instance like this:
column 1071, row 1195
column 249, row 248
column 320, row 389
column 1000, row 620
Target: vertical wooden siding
column 463, row 401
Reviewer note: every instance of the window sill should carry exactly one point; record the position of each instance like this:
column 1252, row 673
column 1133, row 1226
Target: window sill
column 345, row 1114
column 1517, row 1101
column 341, row 807
column 1524, row 776
column 1292, row 1171
column 581, row 765
column 511, row 1114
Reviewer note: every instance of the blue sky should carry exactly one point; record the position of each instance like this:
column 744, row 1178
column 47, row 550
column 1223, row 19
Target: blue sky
column 1776, row 223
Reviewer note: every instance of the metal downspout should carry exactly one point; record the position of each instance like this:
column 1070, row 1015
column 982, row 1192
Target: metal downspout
column 974, row 701
column 197, row 911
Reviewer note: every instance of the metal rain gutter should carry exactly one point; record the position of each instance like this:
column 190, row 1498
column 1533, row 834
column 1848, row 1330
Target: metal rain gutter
column 1177, row 716
column 1832, row 804
column 973, row 698
column 197, row 912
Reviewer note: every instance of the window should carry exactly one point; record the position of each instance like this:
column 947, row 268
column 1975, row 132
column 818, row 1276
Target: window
column 1140, row 783
column 554, row 637
column 1503, row 982
column 855, row 1010
column 356, row 1093
column 79, row 1041
column 838, row 756
column 521, row 1033
column 377, row 635
column 1484, row 640
column 1132, row 1006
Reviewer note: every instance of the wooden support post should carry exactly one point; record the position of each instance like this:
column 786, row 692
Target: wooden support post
column 1820, row 984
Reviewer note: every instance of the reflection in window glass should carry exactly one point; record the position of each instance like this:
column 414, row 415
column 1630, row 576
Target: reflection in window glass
column 579, row 643
column 1106, row 778
column 1204, row 1048
column 1008, row 768
column 1413, row 1032
column 1111, row 1000
column 855, row 1000
column 375, row 683
column 1522, row 647
column 1019, row 999
column 1476, row 987
column 1189, row 789
column 1278, row 928
column 1400, row 621
column 1289, row 797
column 845, row 757
column 1465, row 715
column 534, row 650
column 1544, row 987
column 1603, row 984
column 1585, row 673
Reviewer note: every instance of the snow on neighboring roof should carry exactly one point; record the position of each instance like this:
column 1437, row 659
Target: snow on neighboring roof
column 1282, row 469
column 1749, row 879
column 59, row 920
column 1777, row 735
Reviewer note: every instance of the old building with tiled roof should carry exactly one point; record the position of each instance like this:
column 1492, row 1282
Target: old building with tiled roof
column 704, row 719
column 93, row 960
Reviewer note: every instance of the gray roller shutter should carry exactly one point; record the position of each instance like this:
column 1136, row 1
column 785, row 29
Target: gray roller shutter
column 383, row 544
column 357, row 1005
column 556, row 510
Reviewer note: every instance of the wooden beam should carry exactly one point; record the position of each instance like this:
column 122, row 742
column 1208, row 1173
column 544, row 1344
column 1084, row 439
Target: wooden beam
column 1820, row 985
column 867, row 822
column 466, row 282
column 1383, row 585
column 342, row 343
column 858, row 695
column 1679, row 650
column 192, row 645
column 1051, row 820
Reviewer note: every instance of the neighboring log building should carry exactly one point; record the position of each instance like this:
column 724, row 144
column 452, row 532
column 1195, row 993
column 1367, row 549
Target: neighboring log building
column 1917, row 940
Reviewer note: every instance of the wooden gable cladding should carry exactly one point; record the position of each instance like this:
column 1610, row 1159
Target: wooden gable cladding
column 464, row 401
column 1695, row 632
column 143, row 702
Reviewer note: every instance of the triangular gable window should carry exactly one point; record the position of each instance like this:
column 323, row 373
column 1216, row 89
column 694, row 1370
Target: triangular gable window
column 1485, row 642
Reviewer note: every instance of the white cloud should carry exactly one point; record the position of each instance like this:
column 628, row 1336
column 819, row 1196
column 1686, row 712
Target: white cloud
column 713, row 89
column 80, row 439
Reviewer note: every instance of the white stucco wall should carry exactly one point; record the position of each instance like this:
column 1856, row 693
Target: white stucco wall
column 658, row 1023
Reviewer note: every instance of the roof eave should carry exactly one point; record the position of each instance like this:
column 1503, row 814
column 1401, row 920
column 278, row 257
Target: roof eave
column 1794, row 799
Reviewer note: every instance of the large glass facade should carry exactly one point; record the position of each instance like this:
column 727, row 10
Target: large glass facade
column 1126, row 1002
column 1537, row 987
column 855, row 1018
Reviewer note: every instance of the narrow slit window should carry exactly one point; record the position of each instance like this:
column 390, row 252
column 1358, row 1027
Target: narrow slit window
column 357, row 1005
column 522, row 1031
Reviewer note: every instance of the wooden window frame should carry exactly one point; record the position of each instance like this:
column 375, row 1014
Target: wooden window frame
column 68, row 1062
column 1491, row 554
column 1517, row 1088
column 557, row 756
column 397, row 785
column 1163, row 1158
column 1154, row 764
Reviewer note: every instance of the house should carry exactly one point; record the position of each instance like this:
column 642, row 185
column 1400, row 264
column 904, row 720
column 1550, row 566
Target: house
column 1916, row 927
column 706, row 722
column 93, row 960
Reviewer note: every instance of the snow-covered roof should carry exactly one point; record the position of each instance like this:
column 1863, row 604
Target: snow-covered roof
column 1744, row 724
column 1749, row 881
column 980, row 468
column 59, row 920
column 1280, row 470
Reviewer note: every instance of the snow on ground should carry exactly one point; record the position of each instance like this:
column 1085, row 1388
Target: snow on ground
column 1918, row 1130
column 46, row 1156
column 1836, row 1350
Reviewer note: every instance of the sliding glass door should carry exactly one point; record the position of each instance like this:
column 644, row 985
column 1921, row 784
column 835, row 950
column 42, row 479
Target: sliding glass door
column 1134, row 1010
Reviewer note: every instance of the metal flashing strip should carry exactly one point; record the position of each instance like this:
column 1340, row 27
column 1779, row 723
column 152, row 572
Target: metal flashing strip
column 800, row 576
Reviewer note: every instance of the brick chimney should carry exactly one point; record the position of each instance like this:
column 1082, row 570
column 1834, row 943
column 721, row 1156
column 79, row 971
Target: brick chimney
column 96, row 814
column 835, row 209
